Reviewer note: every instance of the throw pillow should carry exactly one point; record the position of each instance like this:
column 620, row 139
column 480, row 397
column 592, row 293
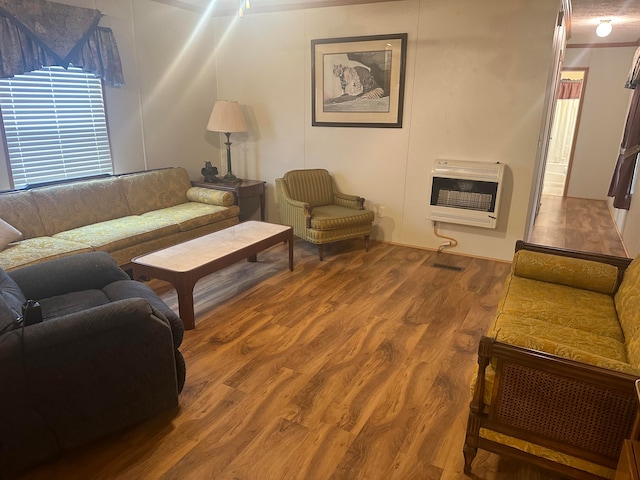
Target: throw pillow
column 8, row 234
column 11, row 301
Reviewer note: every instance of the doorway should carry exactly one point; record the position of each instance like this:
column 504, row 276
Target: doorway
column 564, row 131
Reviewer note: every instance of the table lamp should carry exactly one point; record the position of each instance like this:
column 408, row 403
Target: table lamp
column 226, row 117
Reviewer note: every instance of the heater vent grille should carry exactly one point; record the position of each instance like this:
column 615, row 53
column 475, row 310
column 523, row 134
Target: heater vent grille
column 466, row 200
column 466, row 193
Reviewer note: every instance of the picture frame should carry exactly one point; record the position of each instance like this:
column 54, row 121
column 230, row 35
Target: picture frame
column 358, row 81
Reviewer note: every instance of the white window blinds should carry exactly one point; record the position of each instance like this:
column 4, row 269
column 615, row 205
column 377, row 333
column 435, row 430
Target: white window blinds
column 54, row 125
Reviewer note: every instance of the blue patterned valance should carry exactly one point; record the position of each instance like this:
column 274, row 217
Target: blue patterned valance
column 37, row 33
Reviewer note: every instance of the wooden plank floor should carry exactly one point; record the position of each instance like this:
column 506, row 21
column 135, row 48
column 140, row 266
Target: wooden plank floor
column 577, row 223
column 357, row 367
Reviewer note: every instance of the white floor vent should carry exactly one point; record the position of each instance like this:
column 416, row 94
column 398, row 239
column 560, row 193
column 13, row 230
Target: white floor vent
column 467, row 193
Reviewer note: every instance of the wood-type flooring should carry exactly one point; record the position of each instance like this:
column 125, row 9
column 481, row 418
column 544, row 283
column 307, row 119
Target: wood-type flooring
column 357, row 367
column 578, row 224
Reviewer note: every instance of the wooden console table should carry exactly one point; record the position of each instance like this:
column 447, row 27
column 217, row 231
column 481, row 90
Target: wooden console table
column 244, row 189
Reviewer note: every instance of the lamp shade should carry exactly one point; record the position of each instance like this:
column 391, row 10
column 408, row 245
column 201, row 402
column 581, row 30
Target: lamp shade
column 226, row 117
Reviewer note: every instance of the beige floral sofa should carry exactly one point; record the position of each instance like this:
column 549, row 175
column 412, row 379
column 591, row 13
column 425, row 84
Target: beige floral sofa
column 125, row 215
column 556, row 370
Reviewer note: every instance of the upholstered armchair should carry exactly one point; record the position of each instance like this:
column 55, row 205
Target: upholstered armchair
column 104, row 357
column 310, row 202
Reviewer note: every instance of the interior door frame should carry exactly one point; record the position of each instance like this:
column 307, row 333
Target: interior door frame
column 559, row 41
column 576, row 129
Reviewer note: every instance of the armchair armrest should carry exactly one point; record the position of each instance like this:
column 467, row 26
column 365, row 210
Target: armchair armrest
column 349, row 201
column 294, row 212
column 560, row 404
column 345, row 200
column 210, row 196
column 68, row 274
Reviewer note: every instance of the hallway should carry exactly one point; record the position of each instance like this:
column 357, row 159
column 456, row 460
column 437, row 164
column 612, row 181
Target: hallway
column 577, row 224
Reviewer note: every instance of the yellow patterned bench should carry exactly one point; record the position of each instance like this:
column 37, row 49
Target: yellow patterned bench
column 556, row 370
column 125, row 215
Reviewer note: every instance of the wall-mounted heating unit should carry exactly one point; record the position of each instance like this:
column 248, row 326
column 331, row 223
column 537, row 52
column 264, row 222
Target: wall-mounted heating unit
column 466, row 192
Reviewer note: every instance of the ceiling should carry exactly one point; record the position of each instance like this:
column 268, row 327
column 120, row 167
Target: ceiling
column 231, row 7
column 624, row 14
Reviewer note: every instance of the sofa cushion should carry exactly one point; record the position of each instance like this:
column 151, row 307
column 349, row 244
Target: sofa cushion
column 19, row 210
column 561, row 305
column 572, row 272
column 547, row 453
column 67, row 206
column 8, row 234
column 332, row 217
column 11, row 301
column 36, row 250
column 590, row 347
column 119, row 233
column 155, row 189
column 190, row 215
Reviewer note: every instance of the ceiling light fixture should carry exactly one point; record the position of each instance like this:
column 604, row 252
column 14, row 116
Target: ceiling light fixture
column 244, row 5
column 604, row 28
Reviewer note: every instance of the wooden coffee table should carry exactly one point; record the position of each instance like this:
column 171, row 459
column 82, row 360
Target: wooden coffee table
column 184, row 264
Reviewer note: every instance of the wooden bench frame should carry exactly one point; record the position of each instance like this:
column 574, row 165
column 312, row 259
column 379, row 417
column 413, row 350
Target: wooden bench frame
column 563, row 405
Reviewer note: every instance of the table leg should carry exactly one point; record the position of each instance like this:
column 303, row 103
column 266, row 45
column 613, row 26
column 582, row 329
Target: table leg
column 185, row 304
column 252, row 258
column 290, row 242
column 262, row 206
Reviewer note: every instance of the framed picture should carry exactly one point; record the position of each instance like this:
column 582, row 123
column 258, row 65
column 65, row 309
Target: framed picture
column 358, row 81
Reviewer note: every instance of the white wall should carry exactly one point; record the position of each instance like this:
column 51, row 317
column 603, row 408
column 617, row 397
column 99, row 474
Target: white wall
column 604, row 112
column 475, row 84
column 175, row 58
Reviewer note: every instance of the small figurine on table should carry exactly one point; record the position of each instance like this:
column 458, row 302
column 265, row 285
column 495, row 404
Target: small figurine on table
column 209, row 173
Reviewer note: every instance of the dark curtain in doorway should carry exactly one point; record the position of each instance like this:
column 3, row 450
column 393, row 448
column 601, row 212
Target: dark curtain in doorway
column 620, row 188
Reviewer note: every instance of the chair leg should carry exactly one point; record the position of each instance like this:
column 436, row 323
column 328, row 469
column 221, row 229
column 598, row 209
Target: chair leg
column 366, row 243
column 320, row 252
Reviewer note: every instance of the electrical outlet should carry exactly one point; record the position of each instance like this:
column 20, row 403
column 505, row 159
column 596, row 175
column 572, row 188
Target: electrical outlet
column 381, row 211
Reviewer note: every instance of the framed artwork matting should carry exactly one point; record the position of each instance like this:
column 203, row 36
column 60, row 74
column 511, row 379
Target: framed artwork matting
column 358, row 81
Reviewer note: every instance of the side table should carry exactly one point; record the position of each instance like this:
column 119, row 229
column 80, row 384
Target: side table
column 244, row 189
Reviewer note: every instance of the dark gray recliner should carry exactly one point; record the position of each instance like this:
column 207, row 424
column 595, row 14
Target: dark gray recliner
column 105, row 357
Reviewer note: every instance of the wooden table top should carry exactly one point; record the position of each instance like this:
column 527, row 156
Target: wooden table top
column 194, row 253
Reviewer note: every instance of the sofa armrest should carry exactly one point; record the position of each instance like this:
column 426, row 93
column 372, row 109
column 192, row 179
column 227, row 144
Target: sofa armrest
column 560, row 404
column 73, row 273
column 581, row 269
column 621, row 262
column 210, row 196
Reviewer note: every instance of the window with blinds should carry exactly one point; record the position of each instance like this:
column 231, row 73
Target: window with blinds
column 55, row 125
